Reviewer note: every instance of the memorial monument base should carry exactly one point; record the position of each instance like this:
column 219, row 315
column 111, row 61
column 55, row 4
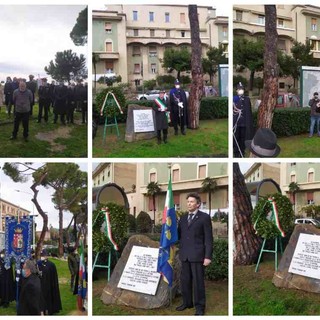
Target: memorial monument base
column 113, row 295
column 285, row 279
column 131, row 135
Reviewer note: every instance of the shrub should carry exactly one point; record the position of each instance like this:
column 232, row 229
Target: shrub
column 165, row 80
column 213, row 108
column 132, row 223
column 144, row 223
column 289, row 121
column 218, row 268
column 150, row 84
column 119, row 227
column 185, row 79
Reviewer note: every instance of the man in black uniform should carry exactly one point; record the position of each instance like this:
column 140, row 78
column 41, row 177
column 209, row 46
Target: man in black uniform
column 178, row 108
column 195, row 253
column 44, row 100
column 60, row 102
column 242, row 121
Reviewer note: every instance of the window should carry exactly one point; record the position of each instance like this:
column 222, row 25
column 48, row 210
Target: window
column 150, row 204
column 182, row 18
column 310, row 198
column 313, row 24
column 137, row 82
column 136, row 51
column 176, row 201
column 108, row 27
column 167, row 17
column 137, row 68
column 152, row 32
column 108, row 46
column 261, row 20
column 167, row 33
column 135, row 15
column 152, row 177
column 293, row 178
column 281, row 85
column 136, row 32
column 109, row 69
column 282, row 45
column 238, row 15
column 225, row 31
column 280, row 23
column 152, row 51
column 202, row 171
column 108, row 174
column 151, row 16
column 311, row 176
column 183, row 34
column 153, row 68
column 175, row 175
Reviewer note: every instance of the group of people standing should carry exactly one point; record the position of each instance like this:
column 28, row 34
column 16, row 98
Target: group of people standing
column 174, row 110
column 20, row 97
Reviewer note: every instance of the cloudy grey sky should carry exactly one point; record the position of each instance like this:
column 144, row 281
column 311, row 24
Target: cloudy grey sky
column 32, row 34
column 22, row 198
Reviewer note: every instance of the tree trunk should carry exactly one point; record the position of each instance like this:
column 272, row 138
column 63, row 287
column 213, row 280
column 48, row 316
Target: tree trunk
column 270, row 73
column 252, row 72
column 154, row 210
column 210, row 203
column 247, row 243
column 42, row 214
column 60, row 245
column 196, row 91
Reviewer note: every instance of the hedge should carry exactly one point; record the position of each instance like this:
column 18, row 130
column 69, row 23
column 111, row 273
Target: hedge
column 218, row 269
column 213, row 108
column 289, row 121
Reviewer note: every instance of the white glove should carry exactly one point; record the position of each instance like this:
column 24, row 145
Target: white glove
column 180, row 104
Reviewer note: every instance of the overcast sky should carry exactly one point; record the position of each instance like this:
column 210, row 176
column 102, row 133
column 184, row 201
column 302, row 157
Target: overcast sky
column 32, row 34
column 23, row 197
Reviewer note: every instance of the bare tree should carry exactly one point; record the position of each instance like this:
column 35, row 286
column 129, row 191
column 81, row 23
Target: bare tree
column 196, row 69
column 270, row 76
column 247, row 243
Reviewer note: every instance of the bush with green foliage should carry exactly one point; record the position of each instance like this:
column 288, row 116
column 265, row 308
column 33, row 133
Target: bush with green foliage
column 267, row 228
column 185, row 80
column 144, row 223
column 149, row 84
column 213, row 108
column 289, row 121
column 165, row 80
column 218, row 268
column 119, row 227
column 131, row 222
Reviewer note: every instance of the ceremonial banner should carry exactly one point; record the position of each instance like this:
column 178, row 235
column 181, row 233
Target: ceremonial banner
column 169, row 236
column 18, row 239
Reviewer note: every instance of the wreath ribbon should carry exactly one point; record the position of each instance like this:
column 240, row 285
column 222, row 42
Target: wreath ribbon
column 114, row 98
column 108, row 227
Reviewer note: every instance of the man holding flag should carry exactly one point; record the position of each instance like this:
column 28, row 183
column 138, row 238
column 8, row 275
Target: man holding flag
column 195, row 253
column 169, row 237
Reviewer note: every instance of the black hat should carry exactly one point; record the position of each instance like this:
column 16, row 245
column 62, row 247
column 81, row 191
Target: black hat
column 264, row 144
column 316, row 94
column 240, row 86
column 162, row 90
column 176, row 81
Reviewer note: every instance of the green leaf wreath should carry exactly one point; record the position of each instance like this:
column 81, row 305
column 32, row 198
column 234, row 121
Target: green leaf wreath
column 266, row 228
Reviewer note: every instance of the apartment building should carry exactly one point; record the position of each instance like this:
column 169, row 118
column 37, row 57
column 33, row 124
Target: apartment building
column 260, row 171
column 10, row 209
column 294, row 23
column 130, row 40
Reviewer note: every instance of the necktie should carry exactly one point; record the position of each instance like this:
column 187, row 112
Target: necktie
column 190, row 216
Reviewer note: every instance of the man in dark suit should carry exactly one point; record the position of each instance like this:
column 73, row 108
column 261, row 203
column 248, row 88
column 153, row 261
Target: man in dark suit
column 196, row 239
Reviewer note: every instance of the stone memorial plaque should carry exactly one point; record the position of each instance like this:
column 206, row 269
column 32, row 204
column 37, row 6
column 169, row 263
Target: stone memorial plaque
column 140, row 273
column 143, row 120
column 306, row 257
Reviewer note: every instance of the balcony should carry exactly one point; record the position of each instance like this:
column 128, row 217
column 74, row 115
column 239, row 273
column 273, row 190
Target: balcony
column 108, row 55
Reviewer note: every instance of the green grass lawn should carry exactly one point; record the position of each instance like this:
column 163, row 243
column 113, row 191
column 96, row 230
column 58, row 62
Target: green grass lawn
column 210, row 140
column 300, row 146
column 254, row 294
column 45, row 140
column 68, row 300
column 216, row 295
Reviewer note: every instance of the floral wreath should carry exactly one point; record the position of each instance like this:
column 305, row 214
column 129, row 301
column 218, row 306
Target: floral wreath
column 273, row 216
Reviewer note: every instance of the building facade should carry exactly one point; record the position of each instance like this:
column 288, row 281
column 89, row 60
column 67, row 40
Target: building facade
column 307, row 176
column 299, row 23
column 260, row 171
column 130, row 40
column 10, row 209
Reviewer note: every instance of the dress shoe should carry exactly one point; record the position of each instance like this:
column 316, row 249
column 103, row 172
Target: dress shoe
column 199, row 313
column 183, row 307
column 183, row 132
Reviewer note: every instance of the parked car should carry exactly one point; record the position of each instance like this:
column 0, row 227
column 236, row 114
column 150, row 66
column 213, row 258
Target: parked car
column 154, row 94
column 314, row 222
column 283, row 99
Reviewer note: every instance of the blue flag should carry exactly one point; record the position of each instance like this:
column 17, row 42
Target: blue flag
column 169, row 236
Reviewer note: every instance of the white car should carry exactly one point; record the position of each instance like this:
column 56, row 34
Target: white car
column 314, row 222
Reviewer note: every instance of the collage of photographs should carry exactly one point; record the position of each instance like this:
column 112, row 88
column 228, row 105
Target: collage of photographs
column 127, row 133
